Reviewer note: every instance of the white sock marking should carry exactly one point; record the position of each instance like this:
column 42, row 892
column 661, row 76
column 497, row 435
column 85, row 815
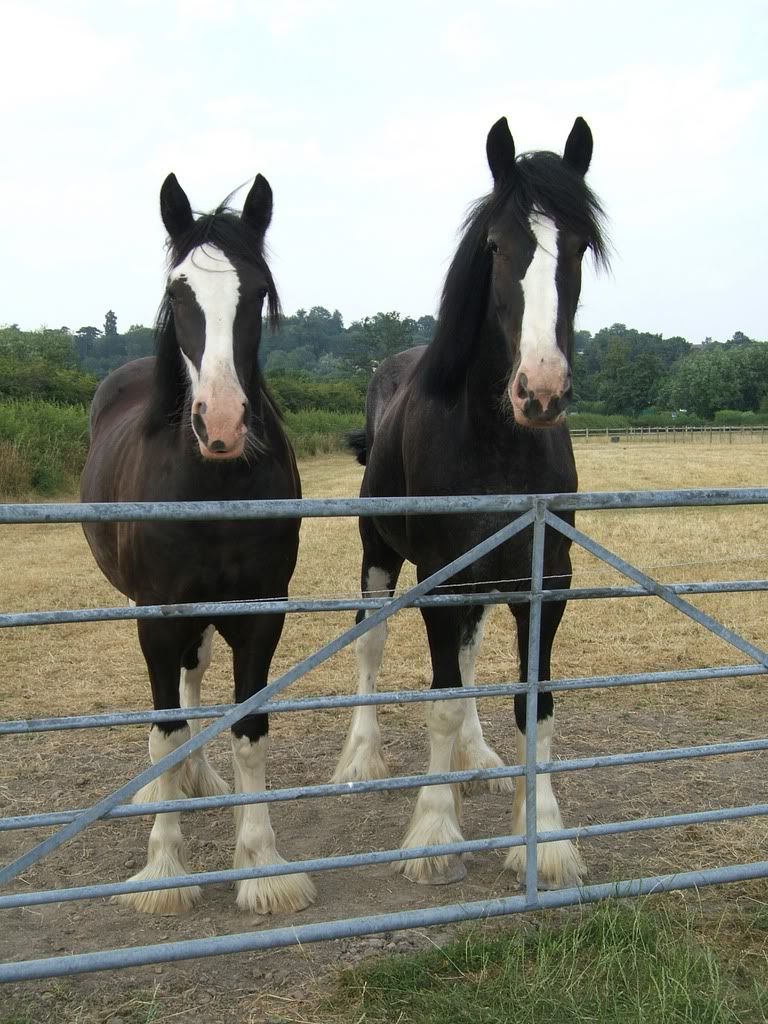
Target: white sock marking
column 165, row 840
column 255, row 844
column 559, row 863
column 361, row 757
column 547, row 810
column 255, row 837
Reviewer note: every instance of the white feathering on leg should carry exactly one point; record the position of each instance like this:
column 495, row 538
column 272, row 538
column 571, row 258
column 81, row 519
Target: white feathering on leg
column 362, row 758
column 435, row 817
column 471, row 749
column 255, row 844
column 560, row 865
column 165, row 857
column 198, row 777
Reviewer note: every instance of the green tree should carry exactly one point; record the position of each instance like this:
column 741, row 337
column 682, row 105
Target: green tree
column 373, row 339
column 110, row 324
column 85, row 339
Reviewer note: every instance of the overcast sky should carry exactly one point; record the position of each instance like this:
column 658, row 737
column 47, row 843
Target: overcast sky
column 369, row 120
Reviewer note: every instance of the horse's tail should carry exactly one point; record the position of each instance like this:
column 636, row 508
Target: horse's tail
column 357, row 441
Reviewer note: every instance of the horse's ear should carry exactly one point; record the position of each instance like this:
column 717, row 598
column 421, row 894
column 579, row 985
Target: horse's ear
column 174, row 207
column 500, row 149
column 578, row 147
column 257, row 208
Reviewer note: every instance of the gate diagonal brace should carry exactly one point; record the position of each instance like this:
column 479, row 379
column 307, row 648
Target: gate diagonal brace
column 653, row 586
column 255, row 702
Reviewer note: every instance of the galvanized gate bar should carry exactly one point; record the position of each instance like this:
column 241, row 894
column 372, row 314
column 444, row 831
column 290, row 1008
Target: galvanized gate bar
column 27, row 726
column 126, row 511
column 331, row 789
column 255, row 702
column 274, row 938
column 660, row 590
column 352, row 604
column 220, row 511
column 104, row 890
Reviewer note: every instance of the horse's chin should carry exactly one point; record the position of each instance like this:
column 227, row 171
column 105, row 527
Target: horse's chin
column 537, row 424
column 234, row 453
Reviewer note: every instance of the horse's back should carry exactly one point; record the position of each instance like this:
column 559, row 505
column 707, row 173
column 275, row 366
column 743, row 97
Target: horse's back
column 389, row 379
column 116, row 410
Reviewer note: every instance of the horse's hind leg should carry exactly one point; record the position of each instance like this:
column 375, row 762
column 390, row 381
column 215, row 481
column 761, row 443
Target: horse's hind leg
column 471, row 749
column 162, row 648
column 362, row 757
column 253, row 643
column 198, row 778
column 559, row 863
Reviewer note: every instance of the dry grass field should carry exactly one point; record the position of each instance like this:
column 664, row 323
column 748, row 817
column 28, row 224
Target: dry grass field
column 88, row 668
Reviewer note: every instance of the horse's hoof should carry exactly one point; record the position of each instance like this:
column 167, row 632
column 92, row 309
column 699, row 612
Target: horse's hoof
column 161, row 901
column 363, row 764
column 278, row 894
column 560, row 865
column 434, row 870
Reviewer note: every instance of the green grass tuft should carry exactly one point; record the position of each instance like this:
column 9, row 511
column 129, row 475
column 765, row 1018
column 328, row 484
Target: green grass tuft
column 618, row 964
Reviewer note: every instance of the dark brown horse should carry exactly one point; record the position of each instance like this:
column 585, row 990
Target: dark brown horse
column 481, row 411
column 195, row 423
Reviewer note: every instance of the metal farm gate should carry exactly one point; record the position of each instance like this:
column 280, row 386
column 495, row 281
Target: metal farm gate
column 537, row 511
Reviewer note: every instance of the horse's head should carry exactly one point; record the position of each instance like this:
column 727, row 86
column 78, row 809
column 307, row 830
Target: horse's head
column 216, row 289
column 542, row 219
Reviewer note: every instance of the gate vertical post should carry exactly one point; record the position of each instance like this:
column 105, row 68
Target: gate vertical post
column 532, row 702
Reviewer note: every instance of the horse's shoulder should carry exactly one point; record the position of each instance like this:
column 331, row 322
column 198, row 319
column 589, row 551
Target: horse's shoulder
column 125, row 388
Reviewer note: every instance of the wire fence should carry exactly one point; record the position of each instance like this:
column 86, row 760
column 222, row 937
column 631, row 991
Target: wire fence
column 536, row 513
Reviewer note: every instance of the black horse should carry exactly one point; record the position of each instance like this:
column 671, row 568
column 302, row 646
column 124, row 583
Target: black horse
column 481, row 410
column 194, row 423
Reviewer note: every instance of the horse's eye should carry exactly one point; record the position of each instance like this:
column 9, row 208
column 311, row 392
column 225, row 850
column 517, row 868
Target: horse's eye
column 492, row 246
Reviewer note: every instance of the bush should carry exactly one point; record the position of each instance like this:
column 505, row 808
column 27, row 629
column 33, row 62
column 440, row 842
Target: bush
column 735, row 418
column 42, row 447
column 293, row 393
column 318, row 432
column 37, row 379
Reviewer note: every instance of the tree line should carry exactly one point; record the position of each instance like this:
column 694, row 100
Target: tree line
column 314, row 361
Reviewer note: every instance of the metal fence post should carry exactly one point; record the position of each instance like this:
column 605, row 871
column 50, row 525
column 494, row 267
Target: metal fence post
column 532, row 701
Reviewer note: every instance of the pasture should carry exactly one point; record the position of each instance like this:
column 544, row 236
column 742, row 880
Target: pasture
column 87, row 668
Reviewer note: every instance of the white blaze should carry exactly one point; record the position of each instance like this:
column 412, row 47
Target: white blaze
column 214, row 282
column 538, row 339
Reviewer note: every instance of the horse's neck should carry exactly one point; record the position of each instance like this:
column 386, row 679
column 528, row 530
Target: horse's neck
column 488, row 374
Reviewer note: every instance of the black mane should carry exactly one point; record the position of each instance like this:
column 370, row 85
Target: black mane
column 541, row 180
column 223, row 229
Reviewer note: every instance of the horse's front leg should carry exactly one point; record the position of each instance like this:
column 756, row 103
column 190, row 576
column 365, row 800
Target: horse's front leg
column 255, row 838
column 162, row 646
column 472, row 751
column 435, row 819
column 199, row 778
column 559, row 863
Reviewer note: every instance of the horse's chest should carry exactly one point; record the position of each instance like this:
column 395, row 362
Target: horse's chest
column 199, row 562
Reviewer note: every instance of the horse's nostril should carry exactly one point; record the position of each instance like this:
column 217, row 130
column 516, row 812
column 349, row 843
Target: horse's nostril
column 217, row 446
column 198, row 424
